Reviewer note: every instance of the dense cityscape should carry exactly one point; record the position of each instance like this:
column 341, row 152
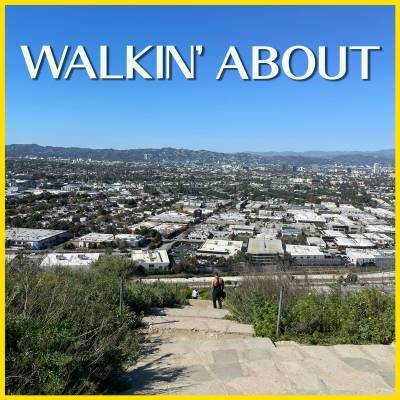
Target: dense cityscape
column 193, row 216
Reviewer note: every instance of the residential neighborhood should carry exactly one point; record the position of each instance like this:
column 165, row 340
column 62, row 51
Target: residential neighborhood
column 231, row 214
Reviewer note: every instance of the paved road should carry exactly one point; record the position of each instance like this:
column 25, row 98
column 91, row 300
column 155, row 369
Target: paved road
column 386, row 276
column 207, row 360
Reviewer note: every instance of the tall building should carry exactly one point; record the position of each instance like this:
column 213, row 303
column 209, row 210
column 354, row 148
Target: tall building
column 376, row 168
column 285, row 167
column 197, row 213
column 314, row 168
column 349, row 170
column 294, row 168
column 145, row 156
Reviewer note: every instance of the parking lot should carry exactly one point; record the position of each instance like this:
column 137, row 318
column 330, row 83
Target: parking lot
column 180, row 252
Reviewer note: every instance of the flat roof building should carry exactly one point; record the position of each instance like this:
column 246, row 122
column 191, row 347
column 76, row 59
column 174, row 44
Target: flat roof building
column 93, row 238
column 304, row 252
column 104, row 238
column 151, row 259
column 36, row 238
column 380, row 239
column 237, row 229
column 174, row 216
column 343, row 224
column 264, row 251
column 227, row 218
column 329, row 235
column 220, row 248
column 132, row 239
column 291, row 230
column 70, row 260
column 377, row 257
column 200, row 234
column 348, row 242
column 169, row 229
column 380, row 229
column 308, row 217
column 316, row 241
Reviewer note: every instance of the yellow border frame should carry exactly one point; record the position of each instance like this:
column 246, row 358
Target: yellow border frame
column 175, row 2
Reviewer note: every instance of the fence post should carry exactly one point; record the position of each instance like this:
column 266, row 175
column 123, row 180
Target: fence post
column 121, row 297
column 176, row 288
column 279, row 312
column 158, row 283
column 140, row 281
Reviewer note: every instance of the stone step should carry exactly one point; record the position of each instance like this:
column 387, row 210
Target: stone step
column 158, row 323
column 254, row 366
column 201, row 303
column 190, row 311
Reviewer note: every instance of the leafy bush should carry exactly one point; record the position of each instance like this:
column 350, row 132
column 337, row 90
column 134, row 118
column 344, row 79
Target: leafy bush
column 351, row 278
column 186, row 293
column 63, row 332
column 366, row 317
column 120, row 267
column 265, row 288
column 205, row 294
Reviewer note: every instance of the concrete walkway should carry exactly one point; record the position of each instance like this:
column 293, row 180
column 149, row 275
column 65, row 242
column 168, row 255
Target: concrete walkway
column 219, row 357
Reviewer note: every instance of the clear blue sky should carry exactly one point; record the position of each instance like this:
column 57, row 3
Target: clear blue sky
column 230, row 115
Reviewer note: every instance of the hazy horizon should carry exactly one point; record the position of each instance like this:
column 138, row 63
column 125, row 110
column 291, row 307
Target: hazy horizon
column 203, row 149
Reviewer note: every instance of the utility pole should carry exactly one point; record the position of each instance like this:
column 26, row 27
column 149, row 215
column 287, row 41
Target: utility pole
column 121, row 297
column 279, row 312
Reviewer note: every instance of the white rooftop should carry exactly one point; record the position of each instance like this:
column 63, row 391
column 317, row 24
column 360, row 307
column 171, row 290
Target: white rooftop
column 357, row 242
column 264, row 246
column 150, row 256
column 371, row 253
column 32, row 235
column 229, row 247
column 316, row 240
column 96, row 237
column 306, row 216
column 380, row 228
column 297, row 250
column 331, row 233
column 69, row 259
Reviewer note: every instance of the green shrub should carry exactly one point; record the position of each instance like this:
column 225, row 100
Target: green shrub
column 186, row 293
column 205, row 294
column 231, row 273
column 63, row 331
column 366, row 317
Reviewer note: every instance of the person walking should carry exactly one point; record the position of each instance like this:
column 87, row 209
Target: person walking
column 217, row 285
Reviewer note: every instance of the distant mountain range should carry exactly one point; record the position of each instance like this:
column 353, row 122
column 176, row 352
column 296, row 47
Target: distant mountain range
column 388, row 153
column 169, row 154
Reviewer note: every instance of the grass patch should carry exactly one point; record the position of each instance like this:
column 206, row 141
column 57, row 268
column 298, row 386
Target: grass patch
column 242, row 238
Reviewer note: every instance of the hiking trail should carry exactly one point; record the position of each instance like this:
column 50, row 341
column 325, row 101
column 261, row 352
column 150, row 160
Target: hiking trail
column 192, row 350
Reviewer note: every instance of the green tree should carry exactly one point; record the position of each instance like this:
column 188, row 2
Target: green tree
column 101, row 211
column 120, row 267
